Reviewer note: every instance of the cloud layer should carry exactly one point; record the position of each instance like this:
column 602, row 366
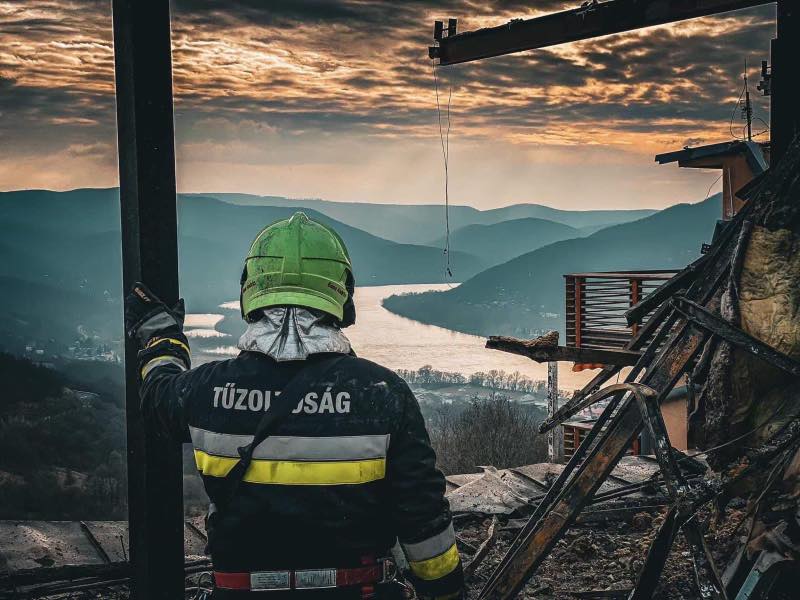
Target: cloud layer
column 335, row 98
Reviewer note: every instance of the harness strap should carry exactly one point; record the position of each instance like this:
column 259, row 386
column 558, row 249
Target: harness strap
column 281, row 408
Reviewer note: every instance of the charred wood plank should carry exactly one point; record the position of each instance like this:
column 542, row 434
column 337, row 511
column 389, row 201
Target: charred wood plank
column 483, row 549
column 739, row 338
column 23, row 577
column 671, row 472
column 657, row 556
column 541, row 353
column 98, row 547
column 464, row 545
column 596, row 594
column 555, row 490
column 196, row 531
column 707, row 577
column 104, row 572
column 581, row 399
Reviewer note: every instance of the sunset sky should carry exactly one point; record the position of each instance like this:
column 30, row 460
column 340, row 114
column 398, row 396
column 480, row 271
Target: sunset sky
column 335, row 99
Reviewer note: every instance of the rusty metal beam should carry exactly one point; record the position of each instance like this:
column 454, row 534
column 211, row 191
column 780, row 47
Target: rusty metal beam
column 591, row 21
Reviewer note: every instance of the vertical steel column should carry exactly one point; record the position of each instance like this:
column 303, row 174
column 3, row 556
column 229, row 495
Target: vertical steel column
column 785, row 117
column 145, row 130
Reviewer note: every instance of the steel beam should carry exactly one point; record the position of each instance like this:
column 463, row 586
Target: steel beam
column 143, row 67
column 785, row 97
column 593, row 20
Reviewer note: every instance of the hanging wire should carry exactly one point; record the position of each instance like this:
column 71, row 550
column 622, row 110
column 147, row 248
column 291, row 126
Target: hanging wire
column 708, row 193
column 743, row 136
column 733, row 114
column 444, row 138
column 766, row 127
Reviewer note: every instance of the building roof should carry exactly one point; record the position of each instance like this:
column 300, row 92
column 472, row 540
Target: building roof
column 753, row 151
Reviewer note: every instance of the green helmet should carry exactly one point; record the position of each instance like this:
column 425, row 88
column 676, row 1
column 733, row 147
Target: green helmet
column 298, row 262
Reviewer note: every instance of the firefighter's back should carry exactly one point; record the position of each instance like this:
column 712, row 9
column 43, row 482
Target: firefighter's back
column 318, row 489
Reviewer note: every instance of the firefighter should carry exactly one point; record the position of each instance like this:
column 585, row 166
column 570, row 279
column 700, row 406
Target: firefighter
column 345, row 468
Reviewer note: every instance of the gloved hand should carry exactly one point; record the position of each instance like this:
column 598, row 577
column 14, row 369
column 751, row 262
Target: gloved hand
column 146, row 316
column 157, row 329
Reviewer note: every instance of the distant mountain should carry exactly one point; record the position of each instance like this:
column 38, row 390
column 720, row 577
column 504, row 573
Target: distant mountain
column 215, row 237
column 526, row 294
column 60, row 255
column 500, row 242
column 420, row 223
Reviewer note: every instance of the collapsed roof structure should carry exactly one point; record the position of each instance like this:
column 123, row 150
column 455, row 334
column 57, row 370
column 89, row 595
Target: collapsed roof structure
column 729, row 324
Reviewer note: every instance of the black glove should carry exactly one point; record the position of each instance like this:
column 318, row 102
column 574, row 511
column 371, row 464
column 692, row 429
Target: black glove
column 157, row 329
column 147, row 317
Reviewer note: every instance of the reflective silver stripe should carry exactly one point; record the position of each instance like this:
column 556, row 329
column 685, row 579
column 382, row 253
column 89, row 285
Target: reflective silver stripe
column 155, row 324
column 160, row 361
column 351, row 447
column 431, row 547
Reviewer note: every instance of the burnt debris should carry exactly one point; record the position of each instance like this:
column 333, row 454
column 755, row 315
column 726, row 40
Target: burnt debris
column 730, row 325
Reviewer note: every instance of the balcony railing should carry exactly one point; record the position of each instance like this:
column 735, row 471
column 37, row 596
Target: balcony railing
column 596, row 305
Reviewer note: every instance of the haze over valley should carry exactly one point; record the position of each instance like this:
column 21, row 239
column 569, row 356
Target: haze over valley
column 63, row 284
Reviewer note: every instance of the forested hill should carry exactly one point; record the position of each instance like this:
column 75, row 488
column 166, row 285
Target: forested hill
column 526, row 294
column 62, row 441
column 421, row 223
column 501, row 242
column 70, row 240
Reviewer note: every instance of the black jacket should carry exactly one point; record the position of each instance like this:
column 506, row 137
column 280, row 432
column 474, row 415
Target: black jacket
column 348, row 472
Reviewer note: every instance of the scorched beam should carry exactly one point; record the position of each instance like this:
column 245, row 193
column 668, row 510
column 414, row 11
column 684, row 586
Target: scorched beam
column 588, row 21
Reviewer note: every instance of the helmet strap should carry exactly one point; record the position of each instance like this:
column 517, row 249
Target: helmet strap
column 349, row 308
column 241, row 291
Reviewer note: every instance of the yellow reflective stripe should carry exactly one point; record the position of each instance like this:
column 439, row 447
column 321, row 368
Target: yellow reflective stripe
column 438, row 566
column 160, row 361
column 287, row 472
column 158, row 340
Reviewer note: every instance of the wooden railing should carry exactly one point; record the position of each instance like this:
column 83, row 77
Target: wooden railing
column 596, row 305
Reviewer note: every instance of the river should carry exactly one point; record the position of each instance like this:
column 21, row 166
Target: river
column 391, row 340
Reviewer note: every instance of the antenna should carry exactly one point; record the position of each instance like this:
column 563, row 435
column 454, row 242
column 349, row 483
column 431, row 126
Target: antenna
column 747, row 111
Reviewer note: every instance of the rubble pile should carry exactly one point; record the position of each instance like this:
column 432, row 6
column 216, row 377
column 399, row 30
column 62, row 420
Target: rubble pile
column 601, row 560
column 728, row 326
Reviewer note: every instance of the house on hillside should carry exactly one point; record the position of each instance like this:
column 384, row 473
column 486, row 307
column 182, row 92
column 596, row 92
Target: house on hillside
column 740, row 163
column 596, row 302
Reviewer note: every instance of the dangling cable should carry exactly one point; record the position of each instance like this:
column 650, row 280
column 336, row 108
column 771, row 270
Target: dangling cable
column 444, row 138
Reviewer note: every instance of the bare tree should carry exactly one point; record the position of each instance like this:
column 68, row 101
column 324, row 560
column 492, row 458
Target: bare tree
column 491, row 431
